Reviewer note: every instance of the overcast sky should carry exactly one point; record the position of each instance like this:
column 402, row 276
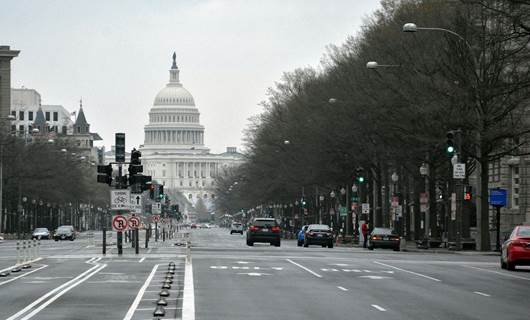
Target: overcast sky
column 116, row 54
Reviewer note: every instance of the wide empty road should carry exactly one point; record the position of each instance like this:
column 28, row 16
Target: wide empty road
column 225, row 279
column 234, row 281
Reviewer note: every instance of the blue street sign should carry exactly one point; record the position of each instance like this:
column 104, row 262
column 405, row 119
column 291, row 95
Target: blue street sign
column 498, row 197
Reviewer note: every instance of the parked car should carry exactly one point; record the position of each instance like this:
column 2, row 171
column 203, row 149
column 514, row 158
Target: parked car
column 383, row 238
column 193, row 226
column 64, row 232
column 236, row 227
column 1, row 239
column 319, row 234
column 264, row 230
column 41, row 233
column 301, row 234
column 516, row 249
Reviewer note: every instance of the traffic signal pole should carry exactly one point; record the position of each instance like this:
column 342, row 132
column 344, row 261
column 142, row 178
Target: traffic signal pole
column 119, row 234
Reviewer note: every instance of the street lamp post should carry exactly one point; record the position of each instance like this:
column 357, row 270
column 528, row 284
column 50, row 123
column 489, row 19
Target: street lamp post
column 332, row 210
column 321, row 200
column 424, row 171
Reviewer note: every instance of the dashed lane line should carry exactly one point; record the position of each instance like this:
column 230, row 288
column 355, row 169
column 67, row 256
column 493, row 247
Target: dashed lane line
column 342, row 288
column 482, row 294
column 378, row 307
column 141, row 260
column 140, row 294
column 304, row 268
column 408, row 271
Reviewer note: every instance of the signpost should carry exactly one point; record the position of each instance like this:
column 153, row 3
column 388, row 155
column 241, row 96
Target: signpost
column 134, row 223
column 136, row 203
column 119, row 223
column 120, row 199
column 459, row 171
column 156, row 208
column 343, row 211
column 498, row 200
column 156, row 218
column 366, row 208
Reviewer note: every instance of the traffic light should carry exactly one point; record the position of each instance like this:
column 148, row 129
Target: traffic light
column 120, row 147
column 359, row 174
column 152, row 188
column 140, row 179
column 303, row 202
column 105, row 174
column 161, row 192
column 467, row 193
column 450, row 148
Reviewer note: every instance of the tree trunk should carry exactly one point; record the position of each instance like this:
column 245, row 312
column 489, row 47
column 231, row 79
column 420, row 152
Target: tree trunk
column 484, row 228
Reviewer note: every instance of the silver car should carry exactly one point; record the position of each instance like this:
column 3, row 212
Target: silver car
column 41, row 233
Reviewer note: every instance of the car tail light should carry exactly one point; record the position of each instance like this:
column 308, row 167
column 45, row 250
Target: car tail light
column 253, row 228
column 376, row 238
column 275, row 229
column 519, row 243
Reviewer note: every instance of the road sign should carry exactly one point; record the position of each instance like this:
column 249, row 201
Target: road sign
column 399, row 211
column 498, row 197
column 156, row 218
column 343, row 211
column 136, row 203
column 459, row 171
column 119, row 223
column 134, row 222
column 156, row 208
column 120, row 199
column 366, row 208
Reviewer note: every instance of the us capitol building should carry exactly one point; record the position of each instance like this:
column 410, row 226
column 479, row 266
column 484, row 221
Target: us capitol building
column 174, row 153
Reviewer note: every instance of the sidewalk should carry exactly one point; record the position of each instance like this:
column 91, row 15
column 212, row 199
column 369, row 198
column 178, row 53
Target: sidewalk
column 412, row 247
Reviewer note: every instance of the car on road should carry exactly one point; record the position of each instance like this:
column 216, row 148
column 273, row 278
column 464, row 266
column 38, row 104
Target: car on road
column 516, row 249
column 236, row 227
column 64, row 233
column 1, row 239
column 383, row 238
column 301, row 235
column 264, row 230
column 40, row 233
column 318, row 234
column 193, row 226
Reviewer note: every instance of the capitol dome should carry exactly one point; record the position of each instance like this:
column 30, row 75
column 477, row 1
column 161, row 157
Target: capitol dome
column 174, row 95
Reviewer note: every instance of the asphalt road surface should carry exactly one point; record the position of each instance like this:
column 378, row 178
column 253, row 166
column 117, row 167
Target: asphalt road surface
column 225, row 279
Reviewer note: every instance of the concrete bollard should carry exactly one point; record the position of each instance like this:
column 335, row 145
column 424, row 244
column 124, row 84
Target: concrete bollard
column 34, row 249
column 24, row 253
column 38, row 248
column 19, row 258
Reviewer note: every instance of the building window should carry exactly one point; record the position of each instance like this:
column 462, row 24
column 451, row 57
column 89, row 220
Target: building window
column 205, row 196
column 203, row 183
column 14, row 113
column 495, row 171
column 181, row 183
column 213, row 196
column 13, row 128
column 47, row 116
column 55, row 116
column 21, row 128
column 190, row 196
column 190, row 183
column 64, row 130
column 30, row 115
column 163, row 173
column 21, row 115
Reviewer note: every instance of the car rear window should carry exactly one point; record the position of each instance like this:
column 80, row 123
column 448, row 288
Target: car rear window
column 265, row 223
column 383, row 231
column 523, row 232
column 319, row 228
column 63, row 229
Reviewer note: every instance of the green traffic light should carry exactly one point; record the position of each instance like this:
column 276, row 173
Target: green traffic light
column 450, row 149
column 360, row 179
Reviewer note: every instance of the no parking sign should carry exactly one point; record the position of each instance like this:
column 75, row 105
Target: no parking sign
column 119, row 223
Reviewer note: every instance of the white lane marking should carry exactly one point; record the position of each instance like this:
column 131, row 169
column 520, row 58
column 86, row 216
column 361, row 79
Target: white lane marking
column 408, row 271
column 482, row 293
column 306, row 269
column 23, row 275
column 188, row 303
column 243, row 262
column 91, row 259
column 58, row 295
column 9, row 268
column 256, row 274
column 501, row 273
column 375, row 277
column 140, row 294
column 378, row 307
column 277, row 268
column 34, row 303
column 342, row 288
column 141, row 260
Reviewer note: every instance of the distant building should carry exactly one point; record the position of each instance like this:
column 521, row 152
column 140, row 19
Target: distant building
column 52, row 122
column 174, row 153
column 6, row 54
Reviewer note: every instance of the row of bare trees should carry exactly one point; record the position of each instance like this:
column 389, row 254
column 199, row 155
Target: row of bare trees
column 320, row 125
column 45, row 183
